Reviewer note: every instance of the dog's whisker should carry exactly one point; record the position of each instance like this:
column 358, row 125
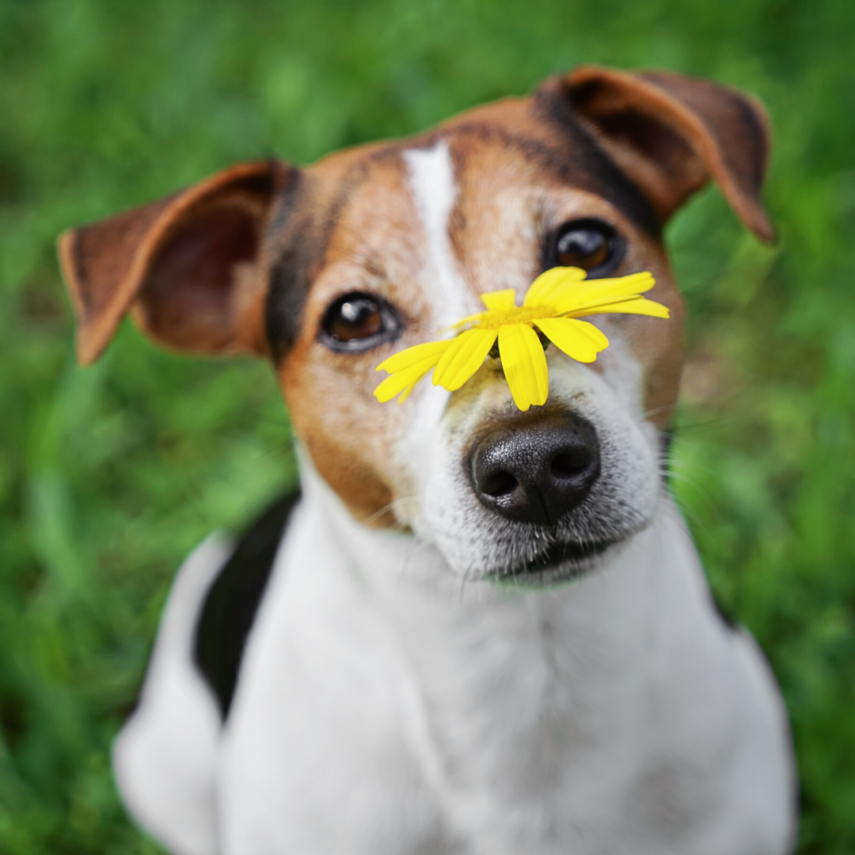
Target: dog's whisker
column 655, row 411
column 399, row 525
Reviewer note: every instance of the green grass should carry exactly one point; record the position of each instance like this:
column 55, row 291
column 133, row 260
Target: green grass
column 109, row 475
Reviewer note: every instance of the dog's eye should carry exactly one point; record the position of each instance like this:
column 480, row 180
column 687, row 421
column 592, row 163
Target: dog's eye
column 358, row 322
column 589, row 244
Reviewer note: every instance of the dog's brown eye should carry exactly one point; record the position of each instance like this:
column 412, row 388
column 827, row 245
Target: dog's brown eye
column 357, row 317
column 589, row 244
column 358, row 322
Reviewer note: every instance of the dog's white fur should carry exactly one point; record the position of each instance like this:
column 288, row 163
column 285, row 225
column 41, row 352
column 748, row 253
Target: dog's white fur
column 392, row 701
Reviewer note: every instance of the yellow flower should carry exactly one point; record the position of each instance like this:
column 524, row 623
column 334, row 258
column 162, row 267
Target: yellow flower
column 553, row 304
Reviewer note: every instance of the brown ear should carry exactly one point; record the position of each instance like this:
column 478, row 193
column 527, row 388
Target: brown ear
column 670, row 134
column 186, row 264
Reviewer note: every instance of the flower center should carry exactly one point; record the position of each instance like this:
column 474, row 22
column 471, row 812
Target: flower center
column 517, row 315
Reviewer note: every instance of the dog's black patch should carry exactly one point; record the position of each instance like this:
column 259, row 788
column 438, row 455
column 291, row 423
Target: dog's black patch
column 300, row 233
column 577, row 162
column 592, row 165
column 292, row 236
column 727, row 618
column 290, row 280
column 666, row 440
column 232, row 601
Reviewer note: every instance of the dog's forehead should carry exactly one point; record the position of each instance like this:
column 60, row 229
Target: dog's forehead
column 536, row 139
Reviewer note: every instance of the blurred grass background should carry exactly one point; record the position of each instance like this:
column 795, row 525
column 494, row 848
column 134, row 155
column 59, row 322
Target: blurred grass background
column 109, row 475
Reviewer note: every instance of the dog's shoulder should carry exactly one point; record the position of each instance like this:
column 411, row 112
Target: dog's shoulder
column 230, row 605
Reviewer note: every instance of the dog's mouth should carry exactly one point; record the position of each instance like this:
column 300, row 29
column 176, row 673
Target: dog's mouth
column 559, row 562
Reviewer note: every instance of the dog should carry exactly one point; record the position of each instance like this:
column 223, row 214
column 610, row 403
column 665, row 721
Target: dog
column 474, row 630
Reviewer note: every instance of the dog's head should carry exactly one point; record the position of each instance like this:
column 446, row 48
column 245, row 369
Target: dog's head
column 328, row 270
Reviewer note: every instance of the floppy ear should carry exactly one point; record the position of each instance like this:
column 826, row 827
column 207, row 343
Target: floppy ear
column 186, row 265
column 669, row 134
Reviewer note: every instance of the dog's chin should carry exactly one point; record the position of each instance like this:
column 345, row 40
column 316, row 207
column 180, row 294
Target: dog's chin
column 559, row 563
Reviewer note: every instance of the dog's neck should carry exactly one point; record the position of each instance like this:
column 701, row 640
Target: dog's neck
column 494, row 673
column 594, row 629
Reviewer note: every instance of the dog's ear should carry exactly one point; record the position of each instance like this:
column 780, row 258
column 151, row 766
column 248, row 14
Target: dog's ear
column 669, row 134
column 186, row 265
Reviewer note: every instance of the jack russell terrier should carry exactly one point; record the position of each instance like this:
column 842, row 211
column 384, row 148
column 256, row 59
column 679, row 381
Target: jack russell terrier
column 412, row 656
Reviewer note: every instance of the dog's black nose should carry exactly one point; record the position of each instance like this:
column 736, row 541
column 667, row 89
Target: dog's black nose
column 536, row 470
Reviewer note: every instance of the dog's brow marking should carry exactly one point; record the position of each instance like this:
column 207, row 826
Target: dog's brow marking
column 434, row 192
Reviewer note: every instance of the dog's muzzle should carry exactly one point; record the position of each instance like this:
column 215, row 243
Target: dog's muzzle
column 535, row 469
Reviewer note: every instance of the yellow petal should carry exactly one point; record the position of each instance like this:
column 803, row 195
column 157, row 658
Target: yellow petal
column 403, row 381
column 579, row 339
column 637, row 306
column 463, row 358
column 545, row 289
column 524, row 364
column 500, row 301
column 467, row 320
column 594, row 292
column 407, row 368
column 414, row 355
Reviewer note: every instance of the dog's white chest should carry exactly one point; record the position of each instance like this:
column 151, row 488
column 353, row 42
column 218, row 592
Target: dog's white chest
column 505, row 721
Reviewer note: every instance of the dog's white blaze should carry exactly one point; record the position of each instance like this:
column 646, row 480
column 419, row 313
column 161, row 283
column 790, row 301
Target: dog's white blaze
column 434, row 192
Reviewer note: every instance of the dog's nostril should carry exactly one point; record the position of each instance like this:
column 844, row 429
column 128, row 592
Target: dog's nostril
column 498, row 484
column 535, row 469
column 569, row 464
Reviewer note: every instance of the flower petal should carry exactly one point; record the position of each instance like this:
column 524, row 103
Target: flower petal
column 595, row 292
column 407, row 368
column 524, row 364
column 402, row 381
column 500, row 301
column 637, row 306
column 579, row 339
column 463, row 358
column 469, row 319
column 545, row 289
column 413, row 355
